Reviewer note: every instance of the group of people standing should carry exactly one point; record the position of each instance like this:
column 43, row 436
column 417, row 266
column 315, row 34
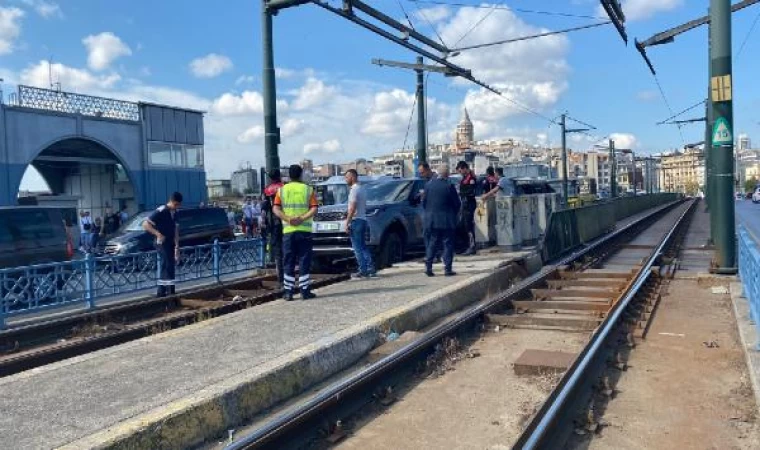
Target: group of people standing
column 92, row 229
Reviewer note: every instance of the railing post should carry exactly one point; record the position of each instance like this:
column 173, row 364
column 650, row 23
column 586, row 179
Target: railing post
column 158, row 266
column 262, row 252
column 2, row 303
column 215, row 251
column 88, row 280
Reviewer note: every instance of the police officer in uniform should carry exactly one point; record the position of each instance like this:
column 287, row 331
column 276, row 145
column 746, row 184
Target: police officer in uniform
column 467, row 188
column 272, row 227
column 295, row 204
column 162, row 224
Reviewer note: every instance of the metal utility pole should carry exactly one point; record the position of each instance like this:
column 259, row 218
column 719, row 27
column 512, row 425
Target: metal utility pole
column 269, row 91
column 722, row 136
column 420, row 70
column 613, row 170
column 565, row 131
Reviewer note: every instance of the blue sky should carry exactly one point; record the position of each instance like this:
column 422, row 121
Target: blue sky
column 335, row 105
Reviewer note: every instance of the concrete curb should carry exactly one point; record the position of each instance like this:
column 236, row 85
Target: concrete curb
column 227, row 404
column 748, row 336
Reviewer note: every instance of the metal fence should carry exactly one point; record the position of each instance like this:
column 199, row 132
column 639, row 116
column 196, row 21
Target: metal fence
column 749, row 272
column 71, row 103
column 572, row 227
column 30, row 289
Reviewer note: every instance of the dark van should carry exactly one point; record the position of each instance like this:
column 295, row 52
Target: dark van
column 32, row 235
column 196, row 227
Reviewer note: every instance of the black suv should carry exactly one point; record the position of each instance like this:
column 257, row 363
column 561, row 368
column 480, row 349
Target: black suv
column 196, row 227
column 32, row 235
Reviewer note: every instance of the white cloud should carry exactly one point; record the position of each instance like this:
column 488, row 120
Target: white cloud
column 44, row 8
column 251, row 134
column 624, row 140
column 103, row 49
column 71, row 79
column 433, row 14
column 389, row 113
column 643, row 9
column 330, row 146
column 312, row 93
column 245, row 79
column 646, row 95
column 10, row 28
column 291, row 127
column 285, row 73
column 249, row 102
column 210, row 66
column 532, row 73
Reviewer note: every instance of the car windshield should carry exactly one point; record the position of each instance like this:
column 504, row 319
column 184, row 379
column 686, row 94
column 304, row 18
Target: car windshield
column 387, row 191
column 332, row 194
column 136, row 223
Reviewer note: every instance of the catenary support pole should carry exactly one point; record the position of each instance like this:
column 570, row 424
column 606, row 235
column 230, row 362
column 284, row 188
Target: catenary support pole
column 269, row 91
column 421, row 126
column 613, row 171
column 565, row 193
column 722, row 136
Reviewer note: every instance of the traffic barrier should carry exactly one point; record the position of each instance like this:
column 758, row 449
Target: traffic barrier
column 572, row 227
column 38, row 288
column 749, row 273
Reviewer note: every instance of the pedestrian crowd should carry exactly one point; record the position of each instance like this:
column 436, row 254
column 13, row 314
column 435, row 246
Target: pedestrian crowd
column 284, row 216
column 93, row 230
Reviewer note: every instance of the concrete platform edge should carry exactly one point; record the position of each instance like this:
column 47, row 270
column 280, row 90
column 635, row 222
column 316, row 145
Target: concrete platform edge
column 749, row 338
column 231, row 402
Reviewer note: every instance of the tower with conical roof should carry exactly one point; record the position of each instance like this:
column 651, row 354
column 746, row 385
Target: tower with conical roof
column 465, row 134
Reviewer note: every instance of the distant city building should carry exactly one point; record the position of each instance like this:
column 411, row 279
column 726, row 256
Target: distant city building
column 245, row 181
column 683, row 171
column 743, row 143
column 465, row 133
column 219, row 188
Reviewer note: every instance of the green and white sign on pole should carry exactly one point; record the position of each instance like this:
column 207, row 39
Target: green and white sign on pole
column 721, row 134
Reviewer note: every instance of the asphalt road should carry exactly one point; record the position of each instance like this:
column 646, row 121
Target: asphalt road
column 748, row 214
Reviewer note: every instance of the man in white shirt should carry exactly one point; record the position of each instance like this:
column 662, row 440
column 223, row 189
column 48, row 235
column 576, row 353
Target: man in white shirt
column 356, row 226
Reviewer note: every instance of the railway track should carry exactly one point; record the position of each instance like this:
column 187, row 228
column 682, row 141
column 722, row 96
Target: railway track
column 610, row 287
column 31, row 346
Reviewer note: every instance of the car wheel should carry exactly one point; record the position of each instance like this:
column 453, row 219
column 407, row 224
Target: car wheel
column 391, row 251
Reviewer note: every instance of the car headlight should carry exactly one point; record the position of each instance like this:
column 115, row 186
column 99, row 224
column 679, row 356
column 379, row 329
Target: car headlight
column 128, row 247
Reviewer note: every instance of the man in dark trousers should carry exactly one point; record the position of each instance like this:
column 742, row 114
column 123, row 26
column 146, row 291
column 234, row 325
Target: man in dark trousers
column 272, row 226
column 162, row 224
column 467, row 188
column 441, row 205
column 296, row 204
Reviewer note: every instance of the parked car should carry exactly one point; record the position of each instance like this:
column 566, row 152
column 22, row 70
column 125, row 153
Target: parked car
column 197, row 226
column 32, row 235
column 756, row 195
column 394, row 215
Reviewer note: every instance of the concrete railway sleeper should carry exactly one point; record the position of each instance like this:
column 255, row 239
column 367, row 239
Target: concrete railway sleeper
column 591, row 297
column 31, row 346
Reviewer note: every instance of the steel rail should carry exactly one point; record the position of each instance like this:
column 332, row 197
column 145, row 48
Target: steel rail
column 542, row 432
column 278, row 427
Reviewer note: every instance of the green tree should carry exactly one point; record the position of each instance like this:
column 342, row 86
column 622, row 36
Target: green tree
column 691, row 188
column 749, row 185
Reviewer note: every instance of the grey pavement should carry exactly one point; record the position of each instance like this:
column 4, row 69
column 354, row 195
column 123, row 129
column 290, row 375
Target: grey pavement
column 62, row 402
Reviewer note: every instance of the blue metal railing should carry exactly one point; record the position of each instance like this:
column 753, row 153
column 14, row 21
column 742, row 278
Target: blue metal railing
column 749, row 272
column 37, row 288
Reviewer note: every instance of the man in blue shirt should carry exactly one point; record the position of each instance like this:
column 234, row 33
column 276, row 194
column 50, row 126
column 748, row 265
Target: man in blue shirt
column 162, row 224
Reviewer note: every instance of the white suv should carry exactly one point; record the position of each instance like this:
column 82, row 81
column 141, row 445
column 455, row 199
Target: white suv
column 756, row 195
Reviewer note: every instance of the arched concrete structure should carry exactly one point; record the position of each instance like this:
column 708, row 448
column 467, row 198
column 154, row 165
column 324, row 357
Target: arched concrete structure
column 160, row 147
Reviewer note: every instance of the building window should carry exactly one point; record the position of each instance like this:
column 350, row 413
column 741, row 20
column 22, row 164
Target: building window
column 175, row 155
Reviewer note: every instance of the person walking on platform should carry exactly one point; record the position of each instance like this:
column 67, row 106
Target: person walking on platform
column 441, row 205
column 467, row 188
column 356, row 225
column 295, row 204
column 162, row 224
column 272, row 225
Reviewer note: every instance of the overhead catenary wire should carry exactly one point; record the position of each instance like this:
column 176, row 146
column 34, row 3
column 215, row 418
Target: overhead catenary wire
column 749, row 33
column 506, row 7
column 409, row 124
column 701, row 102
column 477, row 24
column 532, row 36
column 430, row 24
column 667, row 104
column 403, row 11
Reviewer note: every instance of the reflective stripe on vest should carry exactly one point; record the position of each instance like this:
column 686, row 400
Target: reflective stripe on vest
column 294, row 201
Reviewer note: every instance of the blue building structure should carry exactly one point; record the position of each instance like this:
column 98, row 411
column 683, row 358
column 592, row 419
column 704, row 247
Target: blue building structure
column 104, row 152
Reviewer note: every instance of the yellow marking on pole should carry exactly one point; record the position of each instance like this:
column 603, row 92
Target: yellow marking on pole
column 721, row 88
